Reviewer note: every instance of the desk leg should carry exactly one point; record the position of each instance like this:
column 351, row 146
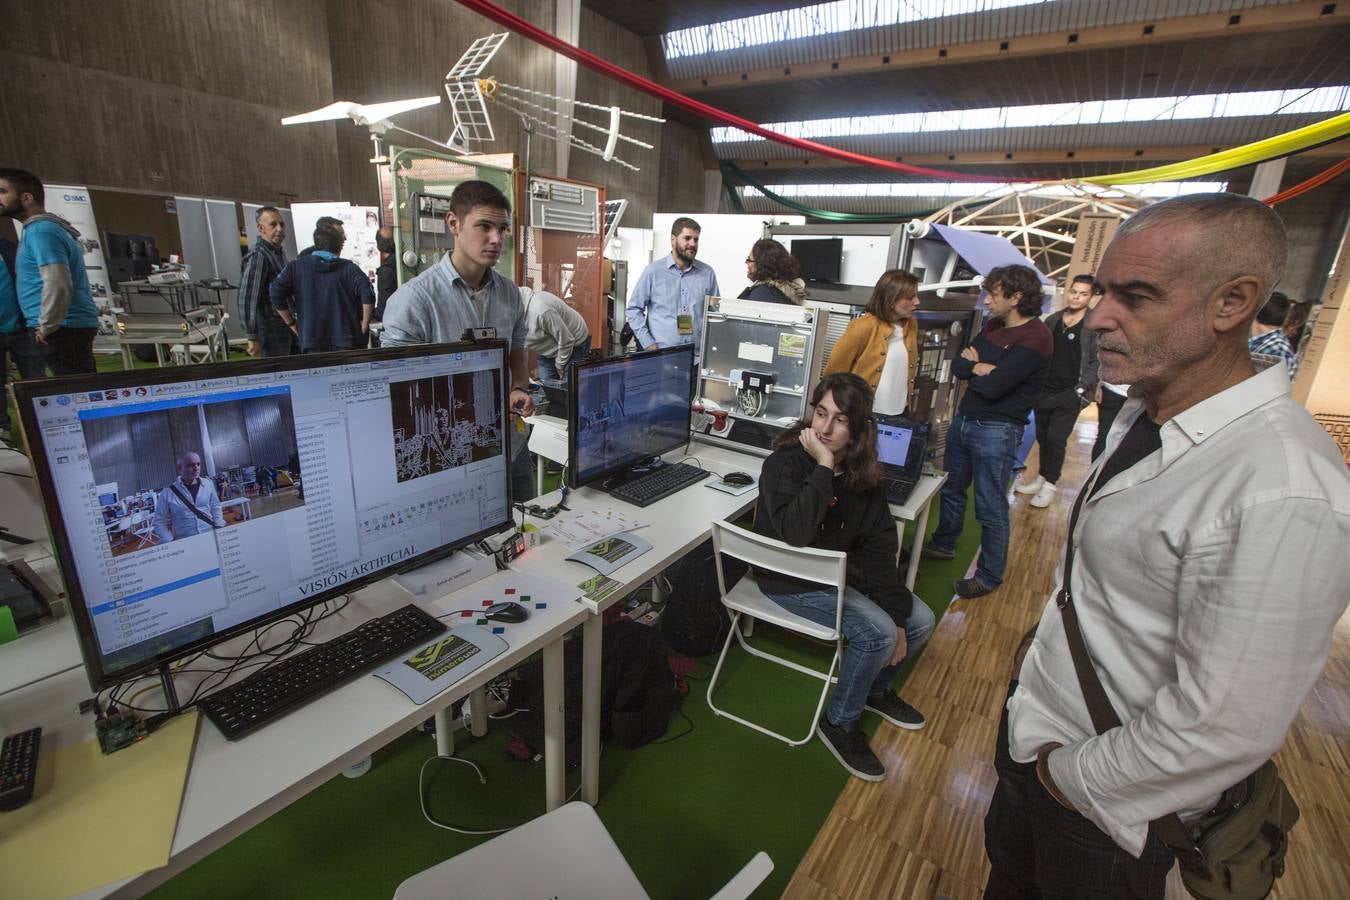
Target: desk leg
column 555, row 744
column 127, row 362
column 445, row 734
column 591, row 631
column 478, row 712
column 916, row 546
column 539, row 474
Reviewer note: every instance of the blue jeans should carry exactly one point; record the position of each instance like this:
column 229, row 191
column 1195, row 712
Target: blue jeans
column 23, row 349
column 549, row 370
column 982, row 452
column 870, row 633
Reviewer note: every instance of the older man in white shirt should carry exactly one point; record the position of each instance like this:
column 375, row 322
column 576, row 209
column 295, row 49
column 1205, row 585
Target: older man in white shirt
column 1209, row 568
column 189, row 505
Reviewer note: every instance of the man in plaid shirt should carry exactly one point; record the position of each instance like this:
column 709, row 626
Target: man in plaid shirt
column 267, row 334
column 1268, row 333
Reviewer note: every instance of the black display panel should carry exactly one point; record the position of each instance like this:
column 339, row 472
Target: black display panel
column 820, row 260
column 627, row 409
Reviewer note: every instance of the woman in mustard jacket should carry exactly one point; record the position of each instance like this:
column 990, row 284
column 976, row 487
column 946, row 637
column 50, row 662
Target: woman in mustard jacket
column 875, row 349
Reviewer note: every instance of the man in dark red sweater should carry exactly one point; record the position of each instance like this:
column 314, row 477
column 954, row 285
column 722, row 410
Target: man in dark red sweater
column 1004, row 368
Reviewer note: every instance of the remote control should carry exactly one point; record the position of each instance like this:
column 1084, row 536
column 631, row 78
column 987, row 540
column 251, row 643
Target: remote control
column 18, row 768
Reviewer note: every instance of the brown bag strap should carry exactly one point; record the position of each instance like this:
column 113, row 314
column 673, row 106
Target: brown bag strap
column 1168, row 828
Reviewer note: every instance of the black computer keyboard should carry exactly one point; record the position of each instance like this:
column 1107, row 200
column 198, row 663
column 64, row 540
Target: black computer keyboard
column 647, row 489
column 270, row 693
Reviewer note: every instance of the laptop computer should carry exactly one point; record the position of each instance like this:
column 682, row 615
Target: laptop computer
column 901, row 445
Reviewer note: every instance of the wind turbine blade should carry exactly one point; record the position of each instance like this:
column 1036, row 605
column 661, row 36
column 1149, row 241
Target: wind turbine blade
column 376, row 111
column 339, row 110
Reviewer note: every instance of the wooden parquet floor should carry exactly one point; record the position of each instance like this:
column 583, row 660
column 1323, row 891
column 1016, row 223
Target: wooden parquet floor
column 920, row 833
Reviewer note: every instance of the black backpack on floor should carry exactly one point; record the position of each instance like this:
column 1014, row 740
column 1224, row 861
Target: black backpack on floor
column 694, row 621
column 637, row 691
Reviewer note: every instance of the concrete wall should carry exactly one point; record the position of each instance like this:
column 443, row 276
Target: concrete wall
column 387, row 50
column 168, row 97
column 1315, row 223
column 185, row 97
column 641, row 189
column 683, row 177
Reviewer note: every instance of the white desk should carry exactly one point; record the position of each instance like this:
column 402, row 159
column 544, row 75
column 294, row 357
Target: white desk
column 233, row 786
column 916, row 509
column 675, row 526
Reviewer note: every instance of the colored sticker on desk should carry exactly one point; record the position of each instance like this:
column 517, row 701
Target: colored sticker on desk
column 792, row 345
column 435, row 660
column 598, row 587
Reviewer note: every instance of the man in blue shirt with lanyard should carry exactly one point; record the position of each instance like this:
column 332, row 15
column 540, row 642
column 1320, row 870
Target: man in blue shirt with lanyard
column 51, row 283
column 666, row 306
column 15, row 338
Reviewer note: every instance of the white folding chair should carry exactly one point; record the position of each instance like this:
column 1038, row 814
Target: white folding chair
column 827, row 568
column 566, row 853
column 214, row 348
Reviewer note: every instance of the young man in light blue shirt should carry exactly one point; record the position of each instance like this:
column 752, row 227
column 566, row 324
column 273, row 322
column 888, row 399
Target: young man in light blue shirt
column 52, row 286
column 666, row 305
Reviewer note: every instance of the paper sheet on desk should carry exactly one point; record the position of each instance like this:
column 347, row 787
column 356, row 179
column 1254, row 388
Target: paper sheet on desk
column 62, row 842
column 581, row 527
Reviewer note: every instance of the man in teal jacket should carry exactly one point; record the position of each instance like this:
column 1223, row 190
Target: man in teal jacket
column 52, row 286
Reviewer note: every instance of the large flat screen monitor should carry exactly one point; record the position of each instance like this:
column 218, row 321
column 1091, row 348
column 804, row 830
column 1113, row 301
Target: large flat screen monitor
column 820, row 260
column 626, row 410
column 248, row 491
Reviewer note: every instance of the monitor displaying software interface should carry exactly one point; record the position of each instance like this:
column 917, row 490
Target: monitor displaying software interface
column 627, row 409
column 191, row 504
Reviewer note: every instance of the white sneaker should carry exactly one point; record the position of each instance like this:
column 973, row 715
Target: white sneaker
column 1029, row 487
column 1044, row 496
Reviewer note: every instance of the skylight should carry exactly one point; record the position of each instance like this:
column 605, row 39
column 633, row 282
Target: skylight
column 974, row 189
column 814, row 21
column 1093, row 112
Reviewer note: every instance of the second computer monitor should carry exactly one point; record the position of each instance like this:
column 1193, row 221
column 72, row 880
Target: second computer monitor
column 627, row 409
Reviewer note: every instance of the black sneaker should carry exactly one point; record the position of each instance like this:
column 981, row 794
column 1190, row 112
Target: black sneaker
column 849, row 746
column 896, row 711
column 932, row 551
column 970, row 588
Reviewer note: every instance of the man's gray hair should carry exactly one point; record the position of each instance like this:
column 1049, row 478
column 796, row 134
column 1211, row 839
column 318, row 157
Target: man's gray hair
column 1247, row 236
column 183, row 458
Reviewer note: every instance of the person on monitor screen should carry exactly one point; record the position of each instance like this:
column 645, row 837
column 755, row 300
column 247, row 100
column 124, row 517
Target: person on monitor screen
column 557, row 333
column 821, row 488
column 775, row 276
column 666, row 305
column 267, row 334
column 50, row 279
column 325, row 300
column 189, row 505
column 463, row 291
column 882, row 345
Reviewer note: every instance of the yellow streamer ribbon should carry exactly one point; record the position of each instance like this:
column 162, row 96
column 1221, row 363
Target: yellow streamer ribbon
column 1260, row 151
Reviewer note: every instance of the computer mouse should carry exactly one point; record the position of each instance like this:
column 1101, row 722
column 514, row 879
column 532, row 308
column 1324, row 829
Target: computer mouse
column 507, row 611
column 738, row 478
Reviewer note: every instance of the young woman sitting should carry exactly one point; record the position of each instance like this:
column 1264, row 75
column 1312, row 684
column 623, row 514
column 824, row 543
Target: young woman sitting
column 821, row 488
